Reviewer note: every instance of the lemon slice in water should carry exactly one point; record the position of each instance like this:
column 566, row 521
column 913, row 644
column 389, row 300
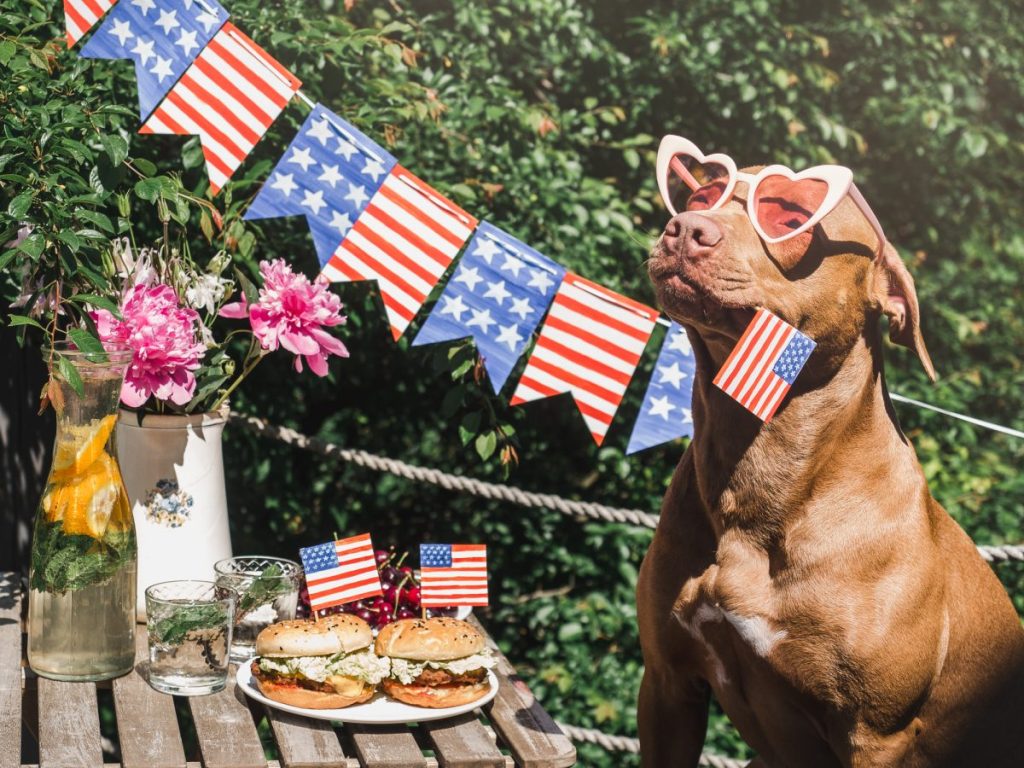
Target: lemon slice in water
column 80, row 447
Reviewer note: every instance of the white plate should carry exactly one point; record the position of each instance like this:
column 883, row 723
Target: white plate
column 380, row 710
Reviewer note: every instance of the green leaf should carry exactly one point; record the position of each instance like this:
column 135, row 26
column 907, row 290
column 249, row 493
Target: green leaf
column 95, row 218
column 7, row 51
column 88, row 344
column 145, row 166
column 19, row 206
column 23, row 320
column 486, row 444
column 70, row 374
column 33, row 245
column 469, row 427
column 115, row 147
column 100, row 302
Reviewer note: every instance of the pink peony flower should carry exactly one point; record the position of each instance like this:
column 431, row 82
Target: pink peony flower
column 292, row 312
column 162, row 336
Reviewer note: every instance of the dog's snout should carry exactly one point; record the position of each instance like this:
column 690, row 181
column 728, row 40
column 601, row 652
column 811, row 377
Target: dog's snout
column 692, row 235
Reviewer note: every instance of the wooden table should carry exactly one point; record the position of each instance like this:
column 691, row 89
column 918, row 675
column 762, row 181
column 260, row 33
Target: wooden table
column 222, row 730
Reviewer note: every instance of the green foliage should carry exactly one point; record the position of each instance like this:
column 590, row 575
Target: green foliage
column 542, row 116
column 63, row 563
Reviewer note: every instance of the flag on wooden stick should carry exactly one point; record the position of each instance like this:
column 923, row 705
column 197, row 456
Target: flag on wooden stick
column 340, row 572
column 453, row 575
column 764, row 364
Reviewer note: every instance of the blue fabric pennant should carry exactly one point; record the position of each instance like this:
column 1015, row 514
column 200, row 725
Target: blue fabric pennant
column 498, row 296
column 665, row 412
column 162, row 37
column 328, row 173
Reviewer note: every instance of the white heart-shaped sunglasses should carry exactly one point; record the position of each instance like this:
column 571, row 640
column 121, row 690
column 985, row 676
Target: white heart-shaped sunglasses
column 781, row 204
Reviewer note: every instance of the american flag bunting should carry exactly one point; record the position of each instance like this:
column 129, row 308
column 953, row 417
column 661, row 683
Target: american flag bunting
column 328, row 173
column 162, row 37
column 590, row 345
column 229, row 97
column 498, row 296
column 405, row 239
column 665, row 410
column 453, row 575
column 764, row 364
column 340, row 572
column 81, row 15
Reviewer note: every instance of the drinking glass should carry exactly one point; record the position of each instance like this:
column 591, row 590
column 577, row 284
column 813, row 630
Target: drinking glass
column 189, row 625
column 268, row 591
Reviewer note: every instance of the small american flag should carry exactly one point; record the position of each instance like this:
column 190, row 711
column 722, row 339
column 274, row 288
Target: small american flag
column 764, row 364
column 405, row 239
column 590, row 345
column 228, row 97
column 453, row 574
column 340, row 572
column 81, row 15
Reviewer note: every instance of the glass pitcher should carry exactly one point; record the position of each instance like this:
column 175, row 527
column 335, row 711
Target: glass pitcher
column 81, row 603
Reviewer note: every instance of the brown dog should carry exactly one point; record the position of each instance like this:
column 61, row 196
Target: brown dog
column 801, row 571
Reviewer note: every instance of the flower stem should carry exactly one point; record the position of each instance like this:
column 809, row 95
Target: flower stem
column 250, row 364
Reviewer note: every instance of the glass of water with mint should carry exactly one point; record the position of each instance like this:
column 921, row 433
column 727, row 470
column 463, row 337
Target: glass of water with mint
column 268, row 592
column 189, row 625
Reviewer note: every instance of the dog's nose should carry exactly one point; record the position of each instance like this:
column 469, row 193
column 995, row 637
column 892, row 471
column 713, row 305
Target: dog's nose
column 691, row 234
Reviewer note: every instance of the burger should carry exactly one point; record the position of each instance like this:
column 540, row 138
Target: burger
column 439, row 662
column 318, row 665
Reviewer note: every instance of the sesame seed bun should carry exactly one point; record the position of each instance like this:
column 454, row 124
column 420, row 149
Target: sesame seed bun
column 437, row 639
column 342, row 632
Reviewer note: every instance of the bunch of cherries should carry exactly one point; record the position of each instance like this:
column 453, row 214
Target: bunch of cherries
column 401, row 598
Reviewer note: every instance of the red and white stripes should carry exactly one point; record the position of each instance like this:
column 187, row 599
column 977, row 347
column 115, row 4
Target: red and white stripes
column 354, row 578
column 404, row 239
column 81, row 15
column 747, row 375
column 463, row 583
column 589, row 345
column 229, row 97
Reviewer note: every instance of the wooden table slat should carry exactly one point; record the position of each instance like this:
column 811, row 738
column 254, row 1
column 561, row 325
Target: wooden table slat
column 69, row 725
column 386, row 746
column 227, row 734
column 521, row 722
column 305, row 743
column 463, row 742
column 147, row 726
column 10, row 670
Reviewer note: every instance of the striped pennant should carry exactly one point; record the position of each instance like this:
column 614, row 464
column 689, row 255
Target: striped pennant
column 764, row 364
column 228, row 97
column 340, row 572
column 81, row 15
column 404, row 239
column 589, row 345
column 453, row 575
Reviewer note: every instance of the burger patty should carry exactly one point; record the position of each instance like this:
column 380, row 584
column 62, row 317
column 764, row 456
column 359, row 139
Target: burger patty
column 443, row 677
column 298, row 681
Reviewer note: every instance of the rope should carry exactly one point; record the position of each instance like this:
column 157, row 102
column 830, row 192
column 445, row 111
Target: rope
column 579, row 509
column 448, row 481
column 628, row 744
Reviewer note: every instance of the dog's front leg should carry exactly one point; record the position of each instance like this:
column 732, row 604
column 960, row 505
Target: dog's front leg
column 673, row 720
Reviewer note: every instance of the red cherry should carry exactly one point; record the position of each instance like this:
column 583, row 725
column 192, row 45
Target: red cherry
column 381, row 556
column 383, row 620
column 405, row 613
column 366, row 615
column 412, row 595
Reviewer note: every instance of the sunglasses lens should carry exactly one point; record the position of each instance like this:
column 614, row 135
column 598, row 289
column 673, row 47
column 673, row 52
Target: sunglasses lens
column 784, row 205
column 693, row 185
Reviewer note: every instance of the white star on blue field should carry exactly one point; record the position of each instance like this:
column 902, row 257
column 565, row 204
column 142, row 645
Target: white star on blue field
column 665, row 413
column 162, row 37
column 497, row 295
column 328, row 174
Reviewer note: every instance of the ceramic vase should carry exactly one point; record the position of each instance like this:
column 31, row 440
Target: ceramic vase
column 173, row 467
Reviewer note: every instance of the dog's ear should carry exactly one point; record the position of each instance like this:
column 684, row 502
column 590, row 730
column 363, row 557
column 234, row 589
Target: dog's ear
column 894, row 290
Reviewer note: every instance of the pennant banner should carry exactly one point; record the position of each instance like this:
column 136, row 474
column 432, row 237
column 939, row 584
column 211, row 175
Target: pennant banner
column 589, row 345
column 340, row 572
column 498, row 296
column 81, row 15
column 162, row 37
column 328, row 174
column 453, row 575
column 764, row 364
column 665, row 411
column 228, row 97
column 405, row 239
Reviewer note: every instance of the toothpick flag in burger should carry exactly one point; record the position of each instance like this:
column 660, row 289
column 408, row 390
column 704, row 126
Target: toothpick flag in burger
column 439, row 662
column 325, row 664
column 453, row 574
column 340, row 572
